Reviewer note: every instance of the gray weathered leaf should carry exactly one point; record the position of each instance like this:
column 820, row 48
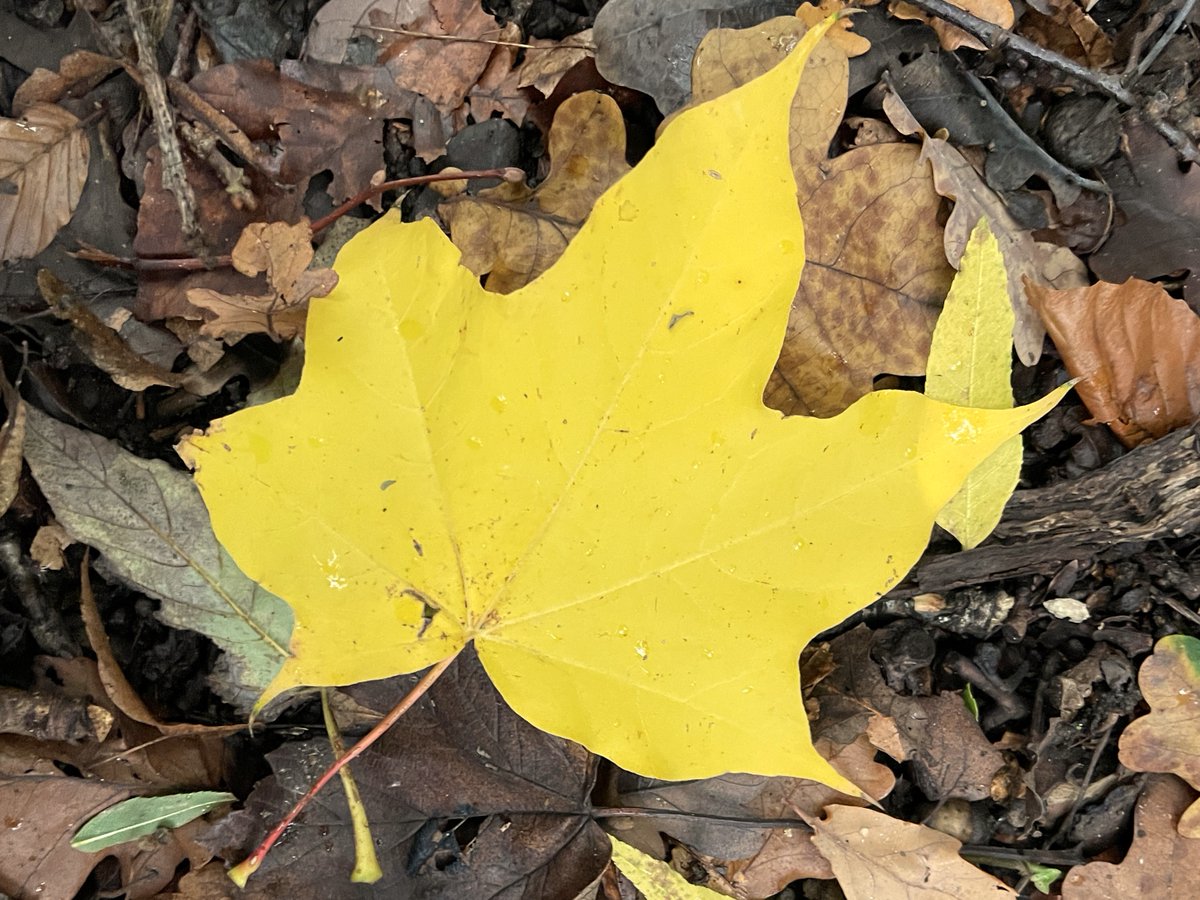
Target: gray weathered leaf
column 648, row 44
column 153, row 529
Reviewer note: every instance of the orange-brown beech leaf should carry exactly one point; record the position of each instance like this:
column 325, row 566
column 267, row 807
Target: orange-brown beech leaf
column 78, row 73
column 1136, row 349
column 43, row 168
column 1027, row 260
column 283, row 253
column 1068, row 30
column 1168, row 739
column 998, row 12
column 867, row 302
column 875, row 856
column 513, row 233
column 1161, row 863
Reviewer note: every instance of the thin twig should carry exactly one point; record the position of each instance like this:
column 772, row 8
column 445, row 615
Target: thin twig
column 996, row 38
column 247, row 867
column 1161, row 44
column 495, row 42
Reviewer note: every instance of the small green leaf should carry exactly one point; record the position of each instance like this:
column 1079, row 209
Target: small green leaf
column 139, row 816
column 654, row 878
column 970, row 702
column 1043, row 876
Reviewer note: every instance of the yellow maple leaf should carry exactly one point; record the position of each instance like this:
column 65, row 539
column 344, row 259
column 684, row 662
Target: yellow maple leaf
column 580, row 477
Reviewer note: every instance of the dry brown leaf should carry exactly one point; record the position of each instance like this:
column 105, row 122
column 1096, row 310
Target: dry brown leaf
column 1137, row 350
column 1160, row 864
column 867, row 303
column 841, row 34
column 1027, row 260
column 12, row 442
column 103, row 346
column 998, row 12
column 514, row 233
column 1166, row 740
column 544, row 68
column 43, row 168
column 46, row 548
column 875, row 856
column 283, row 252
column 498, row 90
column 443, row 71
column 78, row 73
column 1069, row 31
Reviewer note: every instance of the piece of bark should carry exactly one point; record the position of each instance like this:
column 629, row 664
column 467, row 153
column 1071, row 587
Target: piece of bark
column 1150, row 493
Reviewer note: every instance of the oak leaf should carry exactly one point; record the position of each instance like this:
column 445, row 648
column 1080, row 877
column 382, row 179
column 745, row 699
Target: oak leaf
column 580, row 478
column 1166, row 739
column 951, row 37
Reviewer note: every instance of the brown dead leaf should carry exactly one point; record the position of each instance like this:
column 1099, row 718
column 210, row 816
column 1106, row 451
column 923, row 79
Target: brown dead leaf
column 12, row 442
column 78, row 73
column 43, row 168
column 1160, row 864
column 875, row 856
column 544, row 68
column 498, row 89
column 867, row 303
column 514, row 233
column 1166, row 740
column 46, row 548
column 1137, row 350
column 841, row 34
column 1069, row 31
column 998, row 12
column 443, row 71
column 283, row 252
column 103, row 346
column 1027, row 260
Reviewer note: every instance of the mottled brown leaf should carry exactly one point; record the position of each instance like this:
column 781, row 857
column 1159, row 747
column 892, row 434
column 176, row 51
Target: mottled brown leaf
column 1136, row 349
column 78, row 73
column 998, row 12
column 1161, row 863
column 43, row 168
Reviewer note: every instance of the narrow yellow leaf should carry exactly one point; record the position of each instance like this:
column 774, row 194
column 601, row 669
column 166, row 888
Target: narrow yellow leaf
column 580, row 477
column 653, row 877
column 970, row 364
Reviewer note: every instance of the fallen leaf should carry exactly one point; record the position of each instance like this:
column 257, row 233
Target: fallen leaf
column 151, row 525
column 653, row 877
column 137, row 817
column 998, row 12
column 492, row 503
column 43, row 168
column 649, row 46
column 513, row 234
column 1165, row 739
column 866, row 304
column 842, row 34
column 875, row 856
column 542, row 70
column 970, row 364
column 1068, row 30
column 460, row 753
column 1161, row 862
column 1028, row 261
column 12, row 442
column 1136, row 351
column 1157, row 229
column 78, row 72
column 283, row 252
column 47, row 546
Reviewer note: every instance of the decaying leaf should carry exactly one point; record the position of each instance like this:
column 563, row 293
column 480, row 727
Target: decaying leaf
column 460, row 751
column 1136, row 350
column 12, row 442
column 43, row 168
column 1028, row 261
column 866, row 304
column 543, row 69
column 580, row 478
column 1068, row 30
column 876, row 856
column 137, row 817
column 151, row 525
column 512, row 233
column 970, row 364
column 78, row 72
column 1165, row 740
column 283, row 253
column 1162, row 863
column 998, row 12
column 842, row 34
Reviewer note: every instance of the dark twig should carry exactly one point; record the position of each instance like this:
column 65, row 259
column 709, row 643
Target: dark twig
column 996, row 38
column 1161, row 44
